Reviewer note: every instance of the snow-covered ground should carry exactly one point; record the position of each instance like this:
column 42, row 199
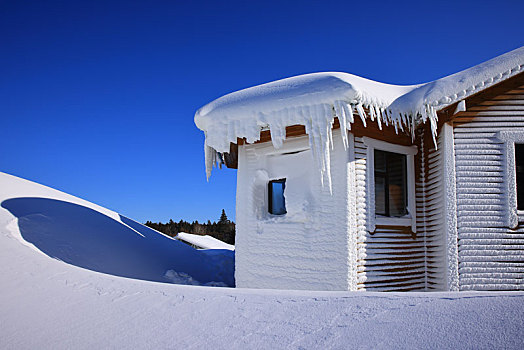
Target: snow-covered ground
column 59, row 290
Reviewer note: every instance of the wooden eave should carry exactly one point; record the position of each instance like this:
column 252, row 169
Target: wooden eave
column 387, row 133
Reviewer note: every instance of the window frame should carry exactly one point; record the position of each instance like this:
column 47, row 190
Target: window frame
column 270, row 196
column 520, row 211
column 509, row 138
column 409, row 151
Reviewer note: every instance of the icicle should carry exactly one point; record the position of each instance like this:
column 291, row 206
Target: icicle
column 401, row 124
column 371, row 112
column 379, row 121
column 403, row 120
column 384, row 116
column 327, row 142
column 314, row 142
column 319, row 127
column 433, row 119
column 339, row 113
column 412, row 127
column 342, row 119
column 329, row 119
column 348, row 109
column 389, row 117
column 424, row 114
column 361, row 113
column 210, row 156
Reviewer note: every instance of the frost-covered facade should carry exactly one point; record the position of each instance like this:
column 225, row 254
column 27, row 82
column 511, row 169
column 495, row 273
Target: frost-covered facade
column 349, row 184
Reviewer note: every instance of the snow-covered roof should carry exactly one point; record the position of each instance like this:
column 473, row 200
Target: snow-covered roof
column 243, row 113
column 314, row 100
column 204, row 242
column 442, row 92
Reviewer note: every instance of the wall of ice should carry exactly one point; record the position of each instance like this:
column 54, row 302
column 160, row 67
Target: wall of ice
column 307, row 248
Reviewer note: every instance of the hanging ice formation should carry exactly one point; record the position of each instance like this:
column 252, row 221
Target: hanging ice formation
column 318, row 121
column 315, row 100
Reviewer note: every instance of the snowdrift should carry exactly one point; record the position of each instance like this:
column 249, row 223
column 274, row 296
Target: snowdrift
column 80, row 234
column 49, row 304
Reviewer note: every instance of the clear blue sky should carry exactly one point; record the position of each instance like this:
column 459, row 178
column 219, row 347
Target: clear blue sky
column 97, row 97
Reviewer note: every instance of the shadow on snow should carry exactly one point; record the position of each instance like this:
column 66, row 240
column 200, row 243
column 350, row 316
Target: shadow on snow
column 87, row 238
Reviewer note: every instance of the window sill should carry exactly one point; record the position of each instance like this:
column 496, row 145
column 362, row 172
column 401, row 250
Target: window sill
column 392, row 221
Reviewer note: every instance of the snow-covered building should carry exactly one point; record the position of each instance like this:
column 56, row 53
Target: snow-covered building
column 345, row 183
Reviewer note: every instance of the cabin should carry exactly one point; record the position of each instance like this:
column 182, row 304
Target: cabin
column 344, row 183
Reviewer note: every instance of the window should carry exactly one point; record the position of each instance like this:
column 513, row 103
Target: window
column 390, row 197
column 519, row 172
column 390, row 184
column 513, row 148
column 276, row 199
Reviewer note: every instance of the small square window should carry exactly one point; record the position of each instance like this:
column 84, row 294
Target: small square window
column 276, row 199
column 519, row 165
column 390, row 184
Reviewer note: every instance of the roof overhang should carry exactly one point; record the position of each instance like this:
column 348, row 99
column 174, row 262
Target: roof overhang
column 316, row 100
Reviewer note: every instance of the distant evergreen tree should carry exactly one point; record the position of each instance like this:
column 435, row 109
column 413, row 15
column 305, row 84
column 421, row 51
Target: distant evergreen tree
column 223, row 218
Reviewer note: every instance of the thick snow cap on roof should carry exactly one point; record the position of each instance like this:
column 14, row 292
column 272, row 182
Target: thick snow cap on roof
column 264, row 105
column 456, row 87
column 314, row 100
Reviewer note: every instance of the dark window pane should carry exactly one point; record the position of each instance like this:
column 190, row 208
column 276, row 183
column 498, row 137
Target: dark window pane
column 380, row 161
column 390, row 184
column 380, row 194
column 396, row 170
column 519, row 163
column 277, row 203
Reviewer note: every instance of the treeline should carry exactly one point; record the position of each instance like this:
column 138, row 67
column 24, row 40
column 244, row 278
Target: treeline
column 223, row 230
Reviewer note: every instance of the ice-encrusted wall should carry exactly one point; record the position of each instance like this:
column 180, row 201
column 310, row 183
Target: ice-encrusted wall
column 431, row 210
column 491, row 254
column 391, row 258
column 307, row 248
column 323, row 241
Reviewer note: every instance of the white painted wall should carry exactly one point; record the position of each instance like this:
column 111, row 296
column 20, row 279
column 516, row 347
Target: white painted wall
column 307, row 248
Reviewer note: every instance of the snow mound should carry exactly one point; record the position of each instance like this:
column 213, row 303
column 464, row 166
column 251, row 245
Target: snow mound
column 82, row 234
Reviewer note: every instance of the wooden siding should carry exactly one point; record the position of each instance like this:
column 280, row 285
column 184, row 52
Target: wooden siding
column 431, row 209
column 491, row 256
column 392, row 258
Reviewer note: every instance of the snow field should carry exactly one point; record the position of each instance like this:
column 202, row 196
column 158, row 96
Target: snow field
column 49, row 304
